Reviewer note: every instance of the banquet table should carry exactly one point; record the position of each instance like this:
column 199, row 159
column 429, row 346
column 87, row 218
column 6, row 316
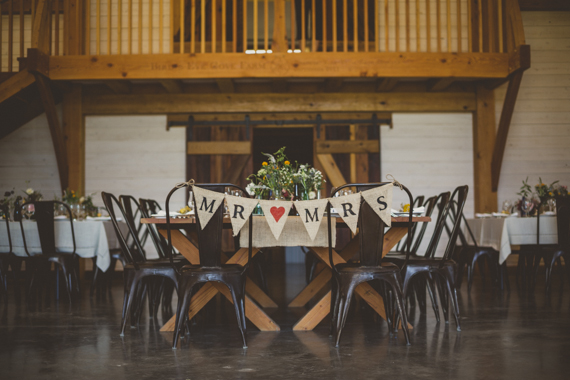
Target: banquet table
column 93, row 238
column 502, row 233
column 255, row 313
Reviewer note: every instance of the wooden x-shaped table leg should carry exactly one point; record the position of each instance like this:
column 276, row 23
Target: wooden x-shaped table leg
column 318, row 312
column 253, row 312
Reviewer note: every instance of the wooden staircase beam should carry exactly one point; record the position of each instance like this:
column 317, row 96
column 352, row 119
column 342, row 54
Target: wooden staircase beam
column 57, row 137
column 504, row 124
column 15, row 84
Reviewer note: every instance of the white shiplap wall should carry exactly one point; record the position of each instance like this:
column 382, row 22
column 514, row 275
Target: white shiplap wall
column 539, row 137
column 134, row 155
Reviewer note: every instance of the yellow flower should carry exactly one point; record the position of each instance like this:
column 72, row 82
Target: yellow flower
column 550, row 193
column 406, row 208
column 287, row 163
column 264, row 164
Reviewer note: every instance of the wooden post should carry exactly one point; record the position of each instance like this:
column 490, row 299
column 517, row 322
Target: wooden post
column 73, row 37
column 74, row 132
column 483, row 145
column 279, row 39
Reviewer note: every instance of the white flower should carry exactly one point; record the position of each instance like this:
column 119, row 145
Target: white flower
column 81, row 200
column 249, row 188
column 312, row 195
column 30, row 191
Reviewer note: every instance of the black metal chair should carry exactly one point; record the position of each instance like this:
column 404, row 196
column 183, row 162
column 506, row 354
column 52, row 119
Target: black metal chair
column 40, row 263
column 5, row 257
column 210, row 267
column 419, row 285
column 347, row 276
column 418, row 202
column 441, row 268
column 137, row 269
column 470, row 254
column 553, row 255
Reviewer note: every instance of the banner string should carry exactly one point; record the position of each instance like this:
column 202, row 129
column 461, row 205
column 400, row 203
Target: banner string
column 390, row 177
column 185, row 184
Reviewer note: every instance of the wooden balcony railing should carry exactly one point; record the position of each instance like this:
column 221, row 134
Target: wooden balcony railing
column 128, row 27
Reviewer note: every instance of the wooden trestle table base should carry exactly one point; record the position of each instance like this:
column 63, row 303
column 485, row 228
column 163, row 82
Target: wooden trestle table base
column 255, row 313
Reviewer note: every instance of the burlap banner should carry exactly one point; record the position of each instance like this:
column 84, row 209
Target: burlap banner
column 380, row 199
column 207, row 203
column 348, row 207
column 240, row 209
column 311, row 213
column 276, row 214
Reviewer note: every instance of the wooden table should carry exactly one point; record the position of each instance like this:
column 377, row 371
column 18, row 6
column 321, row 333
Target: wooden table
column 253, row 312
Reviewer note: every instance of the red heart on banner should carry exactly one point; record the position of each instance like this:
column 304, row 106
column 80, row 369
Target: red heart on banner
column 277, row 212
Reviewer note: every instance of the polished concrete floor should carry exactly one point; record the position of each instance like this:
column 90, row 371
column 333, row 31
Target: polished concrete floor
column 505, row 336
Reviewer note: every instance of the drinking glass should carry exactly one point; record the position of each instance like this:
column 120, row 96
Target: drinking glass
column 527, row 206
column 29, row 211
column 191, row 200
column 507, row 206
column 551, row 204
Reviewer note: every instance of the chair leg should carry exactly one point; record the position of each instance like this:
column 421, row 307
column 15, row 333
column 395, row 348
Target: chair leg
column 345, row 296
column 131, row 284
column 184, row 298
column 452, row 292
column 431, row 290
column 399, row 297
column 237, row 289
column 95, row 277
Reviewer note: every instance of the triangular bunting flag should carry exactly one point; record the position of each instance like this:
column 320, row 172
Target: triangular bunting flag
column 311, row 213
column 207, row 203
column 348, row 207
column 240, row 209
column 276, row 215
column 380, row 199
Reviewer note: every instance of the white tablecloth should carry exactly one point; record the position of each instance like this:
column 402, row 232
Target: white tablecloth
column 92, row 239
column 501, row 233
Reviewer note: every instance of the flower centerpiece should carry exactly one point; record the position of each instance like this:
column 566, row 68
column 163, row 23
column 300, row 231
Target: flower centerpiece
column 274, row 179
column 6, row 204
column 311, row 181
column 527, row 203
column 544, row 192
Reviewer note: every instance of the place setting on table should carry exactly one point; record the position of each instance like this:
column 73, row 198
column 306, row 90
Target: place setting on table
column 287, row 209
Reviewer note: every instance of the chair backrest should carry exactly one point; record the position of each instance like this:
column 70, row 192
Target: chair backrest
column 429, row 205
column 147, row 208
column 210, row 237
column 563, row 221
column 5, row 208
column 441, row 202
column 418, row 202
column 454, row 211
column 44, row 216
column 112, row 204
column 371, row 227
column 133, row 212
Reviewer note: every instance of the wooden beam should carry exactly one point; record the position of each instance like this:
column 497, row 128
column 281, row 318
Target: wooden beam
column 74, row 131
column 275, row 116
column 504, row 124
column 172, row 86
column 347, row 146
column 40, row 26
column 55, row 129
column 119, row 87
column 483, row 145
column 333, row 84
column 74, row 37
column 544, row 5
column 226, row 86
column 279, row 43
column 386, row 84
column 15, row 84
column 233, row 174
column 280, row 85
column 331, row 170
column 219, row 147
column 304, row 65
column 269, row 103
column 439, row 84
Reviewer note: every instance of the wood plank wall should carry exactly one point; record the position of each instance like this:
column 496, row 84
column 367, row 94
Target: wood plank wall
column 538, row 144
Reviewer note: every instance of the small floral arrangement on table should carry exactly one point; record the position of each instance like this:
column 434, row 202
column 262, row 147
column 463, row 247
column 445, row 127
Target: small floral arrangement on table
column 7, row 203
column 32, row 195
column 541, row 195
column 279, row 179
column 544, row 191
column 70, row 197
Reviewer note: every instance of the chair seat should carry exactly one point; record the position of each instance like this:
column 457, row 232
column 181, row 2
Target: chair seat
column 229, row 268
column 356, row 267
